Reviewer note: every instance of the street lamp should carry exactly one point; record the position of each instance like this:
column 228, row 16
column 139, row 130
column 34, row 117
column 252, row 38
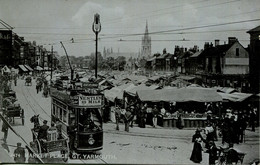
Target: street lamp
column 96, row 27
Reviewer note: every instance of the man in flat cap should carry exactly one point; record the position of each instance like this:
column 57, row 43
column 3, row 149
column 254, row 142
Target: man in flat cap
column 19, row 154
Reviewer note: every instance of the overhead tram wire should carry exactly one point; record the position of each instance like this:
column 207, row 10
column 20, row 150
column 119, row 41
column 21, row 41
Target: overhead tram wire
column 154, row 11
column 211, row 5
column 109, row 21
column 188, row 28
column 258, row 10
column 172, row 30
column 120, row 34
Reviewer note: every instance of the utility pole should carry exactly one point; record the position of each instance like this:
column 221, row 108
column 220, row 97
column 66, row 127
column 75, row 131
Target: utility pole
column 51, row 59
column 96, row 27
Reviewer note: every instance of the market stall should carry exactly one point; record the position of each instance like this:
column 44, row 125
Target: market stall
column 186, row 100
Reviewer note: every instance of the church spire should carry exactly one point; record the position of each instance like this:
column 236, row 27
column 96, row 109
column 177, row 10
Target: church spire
column 146, row 28
column 146, row 43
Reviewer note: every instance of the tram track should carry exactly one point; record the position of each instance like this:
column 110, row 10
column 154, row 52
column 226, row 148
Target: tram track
column 38, row 105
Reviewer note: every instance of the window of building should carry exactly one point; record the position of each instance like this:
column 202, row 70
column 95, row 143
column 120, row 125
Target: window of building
column 64, row 116
column 237, row 51
column 53, row 109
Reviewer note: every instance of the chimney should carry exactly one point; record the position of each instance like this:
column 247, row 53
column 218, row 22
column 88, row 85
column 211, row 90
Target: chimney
column 206, row 45
column 231, row 40
column 195, row 48
column 216, row 42
column 181, row 49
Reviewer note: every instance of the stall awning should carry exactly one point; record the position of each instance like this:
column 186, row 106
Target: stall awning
column 180, row 95
column 22, row 67
column 114, row 93
column 133, row 89
column 235, row 97
column 6, row 69
column 28, row 67
column 38, row 68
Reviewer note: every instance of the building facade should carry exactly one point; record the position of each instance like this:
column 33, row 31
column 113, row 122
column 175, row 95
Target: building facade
column 254, row 58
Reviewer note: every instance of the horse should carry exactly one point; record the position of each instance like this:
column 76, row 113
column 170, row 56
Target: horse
column 35, row 120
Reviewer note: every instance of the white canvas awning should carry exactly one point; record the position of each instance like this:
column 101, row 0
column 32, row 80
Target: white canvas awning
column 6, row 69
column 22, row 67
column 38, row 68
column 28, row 67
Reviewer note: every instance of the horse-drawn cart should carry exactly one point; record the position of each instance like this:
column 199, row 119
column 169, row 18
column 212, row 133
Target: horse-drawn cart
column 14, row 111
column 51, row 150
column 28, row 81
column 225, row 154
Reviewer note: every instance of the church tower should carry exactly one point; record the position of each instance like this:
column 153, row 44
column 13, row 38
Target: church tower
column 146, row 44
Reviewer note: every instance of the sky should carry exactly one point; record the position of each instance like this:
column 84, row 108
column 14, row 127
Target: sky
column 170, row 22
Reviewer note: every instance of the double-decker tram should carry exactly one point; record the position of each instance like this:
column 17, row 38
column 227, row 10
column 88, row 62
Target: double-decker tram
column 78, row 111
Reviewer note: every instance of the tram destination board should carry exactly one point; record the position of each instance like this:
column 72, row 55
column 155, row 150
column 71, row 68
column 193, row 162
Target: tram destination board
column 88, row 100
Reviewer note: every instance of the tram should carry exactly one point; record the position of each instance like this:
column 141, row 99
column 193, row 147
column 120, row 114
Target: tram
column 81, row 107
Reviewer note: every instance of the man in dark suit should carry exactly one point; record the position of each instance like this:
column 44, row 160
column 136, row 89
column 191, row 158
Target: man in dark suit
column 43, row 131
column 213, row 153
column 5, row 128
column 19, row 154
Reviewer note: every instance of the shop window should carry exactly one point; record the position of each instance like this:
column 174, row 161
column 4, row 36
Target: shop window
column 60, row 114
column 64, row 116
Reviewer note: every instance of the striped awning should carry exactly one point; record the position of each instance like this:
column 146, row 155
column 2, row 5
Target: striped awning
column 22, row 67
column 28, row 67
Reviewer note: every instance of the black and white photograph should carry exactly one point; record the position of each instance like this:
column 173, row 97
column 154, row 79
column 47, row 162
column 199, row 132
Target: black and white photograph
column 130, row 82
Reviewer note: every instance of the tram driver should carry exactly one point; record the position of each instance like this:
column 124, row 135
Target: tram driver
column 88, row 124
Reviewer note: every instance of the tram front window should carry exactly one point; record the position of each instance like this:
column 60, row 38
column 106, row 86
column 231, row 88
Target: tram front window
column 89, row 120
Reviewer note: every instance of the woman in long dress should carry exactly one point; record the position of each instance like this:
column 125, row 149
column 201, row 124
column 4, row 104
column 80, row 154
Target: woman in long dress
column 196, row 155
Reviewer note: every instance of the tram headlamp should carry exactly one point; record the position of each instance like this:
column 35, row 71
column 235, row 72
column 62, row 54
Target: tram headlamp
column 91, row 141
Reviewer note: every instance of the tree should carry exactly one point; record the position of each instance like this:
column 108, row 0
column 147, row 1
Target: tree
column 121, row 61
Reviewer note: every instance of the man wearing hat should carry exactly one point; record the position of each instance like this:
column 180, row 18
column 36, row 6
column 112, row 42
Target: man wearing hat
column 19, row 154
column 43, row 131
column 213, row 153
column 5, row 130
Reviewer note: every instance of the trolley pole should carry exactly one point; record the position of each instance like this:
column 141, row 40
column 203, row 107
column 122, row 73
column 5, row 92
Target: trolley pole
column 96, row 27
